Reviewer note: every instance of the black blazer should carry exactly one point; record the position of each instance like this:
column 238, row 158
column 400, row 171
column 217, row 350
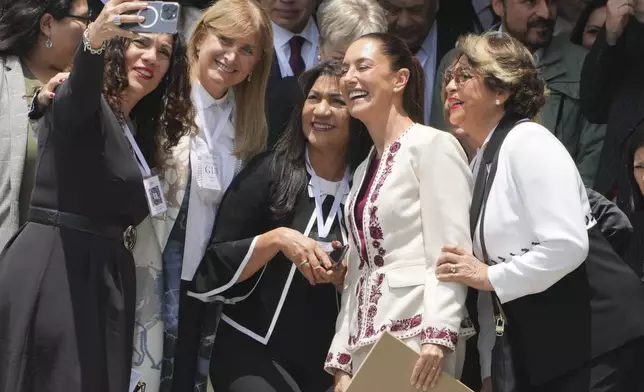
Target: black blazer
column 612, row 92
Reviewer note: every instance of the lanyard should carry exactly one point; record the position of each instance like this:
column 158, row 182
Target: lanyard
column 143, row 165
column 220, row 125
column 324, row 227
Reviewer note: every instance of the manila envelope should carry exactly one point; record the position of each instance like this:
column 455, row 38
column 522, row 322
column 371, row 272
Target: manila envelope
column 388, row 368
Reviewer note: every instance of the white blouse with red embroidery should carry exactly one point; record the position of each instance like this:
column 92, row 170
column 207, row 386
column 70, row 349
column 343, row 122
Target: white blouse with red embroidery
column 419, row 201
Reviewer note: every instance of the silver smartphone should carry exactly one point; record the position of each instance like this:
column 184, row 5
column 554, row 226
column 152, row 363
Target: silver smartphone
column 160, row 17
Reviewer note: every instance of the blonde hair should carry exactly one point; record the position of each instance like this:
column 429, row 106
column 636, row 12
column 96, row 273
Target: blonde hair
column 235, row 19
column 343, row 21
column 506, row 66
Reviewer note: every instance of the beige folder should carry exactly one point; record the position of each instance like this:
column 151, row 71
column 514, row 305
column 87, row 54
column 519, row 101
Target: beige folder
column 388, row 368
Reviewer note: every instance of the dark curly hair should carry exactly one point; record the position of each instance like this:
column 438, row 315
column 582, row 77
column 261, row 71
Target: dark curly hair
column 163, row 116
column 506, row 66
column 20, row 23
column 289, row 162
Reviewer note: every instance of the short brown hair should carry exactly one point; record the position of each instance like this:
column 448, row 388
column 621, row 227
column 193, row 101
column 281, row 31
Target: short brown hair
column 507, row 66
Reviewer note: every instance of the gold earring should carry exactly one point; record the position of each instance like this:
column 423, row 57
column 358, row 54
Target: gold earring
column 48, row 44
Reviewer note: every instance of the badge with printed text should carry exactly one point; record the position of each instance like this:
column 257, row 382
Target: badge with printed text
column 209, row 172
column 154, row 194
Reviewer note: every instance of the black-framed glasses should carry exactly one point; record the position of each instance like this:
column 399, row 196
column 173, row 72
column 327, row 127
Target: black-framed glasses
column 83, row 18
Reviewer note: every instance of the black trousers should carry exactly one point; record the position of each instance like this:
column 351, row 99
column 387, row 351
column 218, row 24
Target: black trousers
column 242, row 364
column 193, row 315
column 617, row 371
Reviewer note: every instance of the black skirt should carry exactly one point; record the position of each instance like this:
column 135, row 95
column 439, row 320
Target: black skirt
column 66, row 312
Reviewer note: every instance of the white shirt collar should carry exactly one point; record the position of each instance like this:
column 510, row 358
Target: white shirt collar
column 474, row 165
column 204, row 100
column 282, row 36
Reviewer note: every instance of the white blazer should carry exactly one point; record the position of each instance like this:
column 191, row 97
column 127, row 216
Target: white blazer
column 419, row 201
column 536, row 223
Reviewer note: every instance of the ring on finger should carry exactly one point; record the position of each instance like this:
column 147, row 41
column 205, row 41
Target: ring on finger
column 452, row 269
column 303, row 263
column 117, row 20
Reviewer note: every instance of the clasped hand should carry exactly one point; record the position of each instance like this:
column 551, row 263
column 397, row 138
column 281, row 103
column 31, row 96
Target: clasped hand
column 311, row 260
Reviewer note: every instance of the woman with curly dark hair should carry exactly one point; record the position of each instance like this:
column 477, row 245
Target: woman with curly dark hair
column 67, row 279
column 572, row 306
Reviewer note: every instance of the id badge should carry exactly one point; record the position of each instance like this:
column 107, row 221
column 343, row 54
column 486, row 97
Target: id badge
column 209, row 172
column 326, row 246
column 154, row 194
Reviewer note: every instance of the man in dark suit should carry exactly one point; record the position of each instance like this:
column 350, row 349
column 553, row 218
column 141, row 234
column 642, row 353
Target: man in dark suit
column 295, row 40
column 430, row 31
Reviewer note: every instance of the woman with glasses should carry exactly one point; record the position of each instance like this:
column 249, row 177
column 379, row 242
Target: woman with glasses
column 37, row 42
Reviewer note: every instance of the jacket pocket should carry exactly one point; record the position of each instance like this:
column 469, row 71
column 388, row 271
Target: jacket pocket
column 406, row 276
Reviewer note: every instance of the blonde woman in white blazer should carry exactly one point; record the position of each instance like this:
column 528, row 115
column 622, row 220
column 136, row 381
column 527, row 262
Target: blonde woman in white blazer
column 409, row 197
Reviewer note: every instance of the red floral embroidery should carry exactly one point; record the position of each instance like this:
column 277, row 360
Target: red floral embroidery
column 406, row 324
column 340, row 361
column 378, row 261
column 435, row 334
column 344, row 359
column 394, row 147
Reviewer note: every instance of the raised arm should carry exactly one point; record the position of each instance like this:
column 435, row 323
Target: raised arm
column 79, row 97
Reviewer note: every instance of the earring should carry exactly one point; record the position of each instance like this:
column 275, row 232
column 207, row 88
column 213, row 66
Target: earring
column 48, row 44
column 319, row 57
column 250, row 75
column 497, row 102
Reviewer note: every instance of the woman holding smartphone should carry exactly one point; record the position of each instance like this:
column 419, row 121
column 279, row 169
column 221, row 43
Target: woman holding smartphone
column 67, row 279
column 268, row 257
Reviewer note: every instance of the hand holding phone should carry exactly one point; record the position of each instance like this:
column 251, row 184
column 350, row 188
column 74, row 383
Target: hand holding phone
column 160, row 17
column 338, row 255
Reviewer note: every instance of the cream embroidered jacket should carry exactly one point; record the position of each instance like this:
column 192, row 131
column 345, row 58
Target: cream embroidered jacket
column 419, row 201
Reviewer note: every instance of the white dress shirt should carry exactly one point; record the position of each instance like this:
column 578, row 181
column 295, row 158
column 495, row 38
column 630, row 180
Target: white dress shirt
column 427, row 56
column 204, row 202
column 281, row 38
column 536, row 223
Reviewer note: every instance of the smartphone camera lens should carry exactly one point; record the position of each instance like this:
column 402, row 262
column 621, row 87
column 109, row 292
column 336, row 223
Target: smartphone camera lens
column 169, row 11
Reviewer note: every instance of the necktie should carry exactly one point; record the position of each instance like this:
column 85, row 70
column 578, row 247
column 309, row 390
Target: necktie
column 296, row 61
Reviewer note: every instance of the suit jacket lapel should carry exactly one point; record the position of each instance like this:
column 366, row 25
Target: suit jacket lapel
column 501, row 131
column 18, row 121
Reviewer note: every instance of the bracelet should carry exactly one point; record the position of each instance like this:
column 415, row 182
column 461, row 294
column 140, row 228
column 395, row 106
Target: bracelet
column 88, row 47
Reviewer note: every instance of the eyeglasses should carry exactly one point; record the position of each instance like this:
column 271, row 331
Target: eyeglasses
column 459, row 75
column 83, row 18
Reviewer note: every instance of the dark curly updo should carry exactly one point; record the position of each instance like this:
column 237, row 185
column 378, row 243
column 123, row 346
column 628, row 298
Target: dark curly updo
column 506, row 66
